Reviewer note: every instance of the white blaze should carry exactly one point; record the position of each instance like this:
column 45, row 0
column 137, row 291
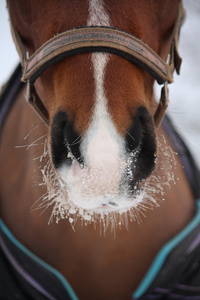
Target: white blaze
column 101, row 143
column 97, row 14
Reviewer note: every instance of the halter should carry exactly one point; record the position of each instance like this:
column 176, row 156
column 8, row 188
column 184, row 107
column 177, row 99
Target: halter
column 100, row 39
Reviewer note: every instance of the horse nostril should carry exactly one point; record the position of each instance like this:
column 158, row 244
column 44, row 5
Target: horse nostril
column 134, row 134
column 73, row 143
column 59, row 152
column 65, row 142
column 141, row 137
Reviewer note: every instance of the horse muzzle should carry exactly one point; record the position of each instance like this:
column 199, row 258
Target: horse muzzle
column 100, row 169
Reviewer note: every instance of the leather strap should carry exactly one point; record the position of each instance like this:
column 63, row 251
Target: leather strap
column 96, row 39
column 163, row 104
column 33, row 99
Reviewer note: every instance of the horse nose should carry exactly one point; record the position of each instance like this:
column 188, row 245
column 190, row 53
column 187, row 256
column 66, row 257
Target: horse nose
column 65, row 141
column 103, row 149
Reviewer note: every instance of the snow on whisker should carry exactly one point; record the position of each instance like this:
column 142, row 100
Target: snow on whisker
column 114, row 217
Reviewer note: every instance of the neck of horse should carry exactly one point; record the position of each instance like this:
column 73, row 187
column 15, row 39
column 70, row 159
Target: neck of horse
column 87, row 244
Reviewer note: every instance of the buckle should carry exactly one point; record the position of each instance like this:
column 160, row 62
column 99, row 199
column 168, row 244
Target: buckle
column 162, row 106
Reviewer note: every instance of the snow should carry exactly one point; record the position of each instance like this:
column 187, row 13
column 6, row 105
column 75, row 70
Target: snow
column 184, row 105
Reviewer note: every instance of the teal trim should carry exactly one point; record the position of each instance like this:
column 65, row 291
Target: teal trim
column 163, row 253
column 38, row 260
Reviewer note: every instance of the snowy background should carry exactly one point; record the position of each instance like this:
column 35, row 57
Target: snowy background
column 184, row 93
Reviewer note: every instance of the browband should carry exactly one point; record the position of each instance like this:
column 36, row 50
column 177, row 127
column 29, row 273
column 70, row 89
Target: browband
column 101, row 39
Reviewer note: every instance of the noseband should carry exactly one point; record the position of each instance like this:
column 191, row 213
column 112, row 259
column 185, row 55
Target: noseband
column 100, row 39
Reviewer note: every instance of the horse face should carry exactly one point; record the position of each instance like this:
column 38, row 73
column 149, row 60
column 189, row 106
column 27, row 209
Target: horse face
column 102, row 137
column 102, row 134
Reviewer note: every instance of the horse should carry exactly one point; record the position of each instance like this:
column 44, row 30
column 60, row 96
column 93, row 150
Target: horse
column 95, row 202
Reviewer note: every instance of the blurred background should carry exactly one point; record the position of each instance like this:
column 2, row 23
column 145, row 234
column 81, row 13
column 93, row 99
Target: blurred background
column 184, row 106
